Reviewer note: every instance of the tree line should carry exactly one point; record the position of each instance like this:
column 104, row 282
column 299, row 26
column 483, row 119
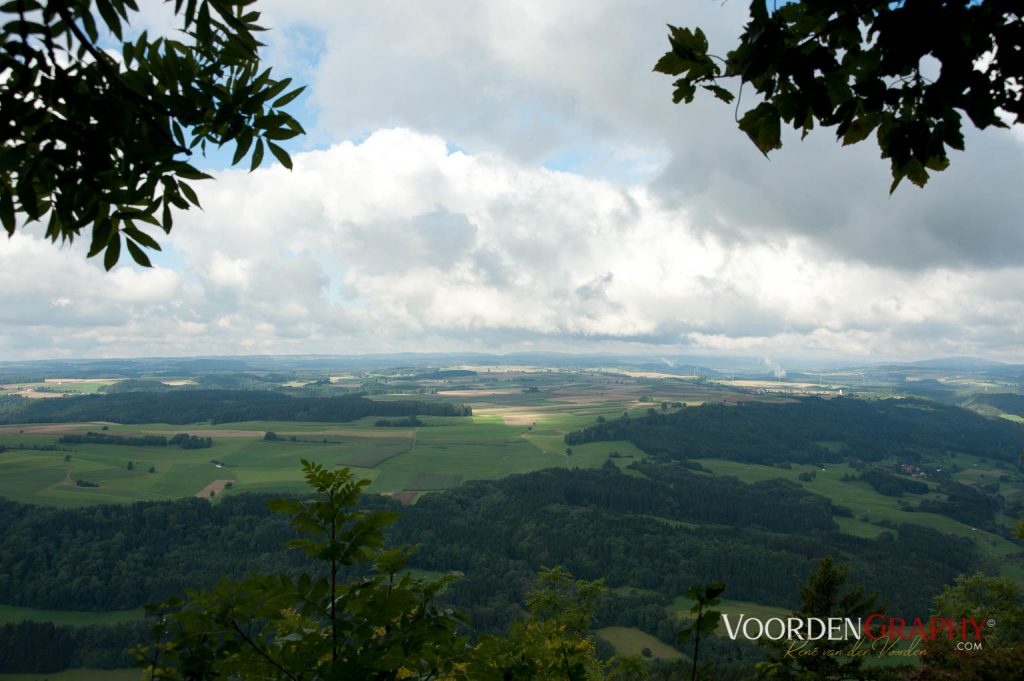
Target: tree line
column 183, row 440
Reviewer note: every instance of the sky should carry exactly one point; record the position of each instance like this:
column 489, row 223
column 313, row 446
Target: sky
column 513, row 176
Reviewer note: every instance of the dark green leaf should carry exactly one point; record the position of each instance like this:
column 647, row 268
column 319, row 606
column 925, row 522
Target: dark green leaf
column 257, row 156
column 713, row 591
column 938, row 162
column 287, row 98
column 763, row 127
column 916, row 172
column 685, row 90
column 242, row 147
column 189, row 193
column 720, row 92
column 275, row 89
column 280, row 154
column 281, row 134
column 110, row 17
column 671, row 64
column 859, row 130
column 113, row 252
column 189, row 173
column 138, row 255
column 7, row 212
column 143, row 238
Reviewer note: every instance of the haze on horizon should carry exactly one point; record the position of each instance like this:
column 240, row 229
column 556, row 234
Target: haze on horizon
column 509, row 177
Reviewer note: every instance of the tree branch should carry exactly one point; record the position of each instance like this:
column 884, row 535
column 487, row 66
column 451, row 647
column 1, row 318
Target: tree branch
column 266, row 656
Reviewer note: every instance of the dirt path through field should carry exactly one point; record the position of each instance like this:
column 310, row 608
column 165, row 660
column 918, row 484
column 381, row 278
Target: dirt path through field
column 217, row 486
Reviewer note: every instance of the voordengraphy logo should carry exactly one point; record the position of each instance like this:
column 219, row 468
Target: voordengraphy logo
column 875, row 627
column 793, row 628
column 931, row 629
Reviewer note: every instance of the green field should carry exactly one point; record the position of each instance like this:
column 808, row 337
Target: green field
column 681, row 607
column 79, row 675
column 500, row 440
column 12, row 614
column 631, row 641
column 521, row 417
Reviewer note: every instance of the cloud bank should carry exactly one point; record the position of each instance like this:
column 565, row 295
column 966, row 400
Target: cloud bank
column 509, row 176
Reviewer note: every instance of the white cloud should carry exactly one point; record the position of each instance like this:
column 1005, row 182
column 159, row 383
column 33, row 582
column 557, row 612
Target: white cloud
column 664, row 227
column 399, row 244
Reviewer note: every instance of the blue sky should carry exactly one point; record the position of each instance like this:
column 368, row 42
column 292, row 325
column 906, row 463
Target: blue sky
column 512, row 176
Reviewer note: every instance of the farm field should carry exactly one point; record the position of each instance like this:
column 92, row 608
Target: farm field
column 520, row 417
column 513, row 430
column 432, row 458
column 78, row 675
column 681, row 606
column 10, row 614
column 632, row 641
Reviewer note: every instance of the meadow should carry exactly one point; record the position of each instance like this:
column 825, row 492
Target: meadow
column 78, row 675
column 513, row 430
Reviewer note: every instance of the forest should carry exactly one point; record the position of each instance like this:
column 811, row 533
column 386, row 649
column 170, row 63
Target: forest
column 649, row 534
column 798, row 431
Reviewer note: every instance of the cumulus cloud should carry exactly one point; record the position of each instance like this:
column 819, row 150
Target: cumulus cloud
column 570, row 83
column 503, row 176
column 399, row 243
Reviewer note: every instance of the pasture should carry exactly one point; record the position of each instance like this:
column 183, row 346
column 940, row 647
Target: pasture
column 511, row 432
column 78, row 675
column 12, row 614
column 632, row 641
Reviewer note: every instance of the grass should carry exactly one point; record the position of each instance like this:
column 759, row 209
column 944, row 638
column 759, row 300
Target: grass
column 78, row 675
column 631, row 641
column 681, row 606
column 12, row 614
column 439, row 455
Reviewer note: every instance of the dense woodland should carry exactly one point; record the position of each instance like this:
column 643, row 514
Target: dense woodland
column 214, row 406
column 1006, row 402
column 658, row 530
column 797, row 432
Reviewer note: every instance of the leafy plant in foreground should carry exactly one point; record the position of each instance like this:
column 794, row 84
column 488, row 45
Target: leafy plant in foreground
column 379, row 627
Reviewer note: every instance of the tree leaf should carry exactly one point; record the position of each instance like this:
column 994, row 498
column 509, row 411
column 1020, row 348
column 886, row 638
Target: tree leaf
column 113, row 252
column 242, row 147
column 859, row 130
column 7, row 212
column 288, row 97
column 138, row 255
column 257, row 156
column 685, row 90
column 143, row 238
column 671, row 64
column 101, row 233
column 763, row 127
column 110, row 17
column 720, row 92
column 280, row 154
column 189, row 193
